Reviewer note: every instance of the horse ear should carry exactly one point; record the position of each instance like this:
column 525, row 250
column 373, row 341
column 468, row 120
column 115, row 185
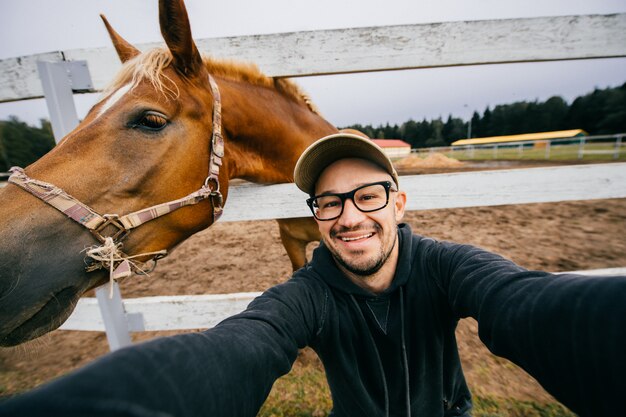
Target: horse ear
column 124, row 49
column 176, row 31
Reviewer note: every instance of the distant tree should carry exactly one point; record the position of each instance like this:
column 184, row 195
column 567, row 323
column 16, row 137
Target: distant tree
column 508, row 119
column 485, row 127
column 391, row 132
column 408, row 132
column 474, row 132
column 436, row 138
column 21, row 144
column 454, row 129
column 614, row 120
column 599, row 112
column 425, row 131
column 551, row 115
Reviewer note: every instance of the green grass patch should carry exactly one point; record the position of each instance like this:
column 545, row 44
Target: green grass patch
column 303, row 392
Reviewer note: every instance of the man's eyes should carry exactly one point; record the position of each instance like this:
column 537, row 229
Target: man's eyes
column 330, row 204
column 369, row 197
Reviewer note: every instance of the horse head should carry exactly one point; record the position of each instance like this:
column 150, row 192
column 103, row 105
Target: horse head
column 147, row 141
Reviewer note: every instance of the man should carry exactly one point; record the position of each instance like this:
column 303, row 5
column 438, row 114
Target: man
column 380, row 306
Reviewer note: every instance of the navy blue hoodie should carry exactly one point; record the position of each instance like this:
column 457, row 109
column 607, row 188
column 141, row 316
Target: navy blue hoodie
column 387, row 354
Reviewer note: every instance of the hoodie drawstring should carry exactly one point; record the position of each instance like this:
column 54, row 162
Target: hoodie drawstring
column 404, row 356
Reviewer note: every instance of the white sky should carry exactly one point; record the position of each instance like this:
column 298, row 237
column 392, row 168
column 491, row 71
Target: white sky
column 34, row 26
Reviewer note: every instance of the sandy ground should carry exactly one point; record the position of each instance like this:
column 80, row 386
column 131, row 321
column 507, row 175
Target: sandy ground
column 248, row 256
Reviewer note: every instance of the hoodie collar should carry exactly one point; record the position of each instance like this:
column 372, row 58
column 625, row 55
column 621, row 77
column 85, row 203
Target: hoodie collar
column 324, row 265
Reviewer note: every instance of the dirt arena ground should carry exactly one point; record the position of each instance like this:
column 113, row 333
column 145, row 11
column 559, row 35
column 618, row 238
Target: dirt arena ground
column 248, row 256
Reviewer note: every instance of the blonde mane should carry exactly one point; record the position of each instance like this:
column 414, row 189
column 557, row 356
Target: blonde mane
column 149, row 66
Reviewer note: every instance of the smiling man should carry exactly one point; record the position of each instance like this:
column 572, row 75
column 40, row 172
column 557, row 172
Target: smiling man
column 355, row 225
column 379, row 304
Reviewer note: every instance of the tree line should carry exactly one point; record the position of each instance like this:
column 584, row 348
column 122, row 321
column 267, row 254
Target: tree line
column 21, row 144
column 602, row 111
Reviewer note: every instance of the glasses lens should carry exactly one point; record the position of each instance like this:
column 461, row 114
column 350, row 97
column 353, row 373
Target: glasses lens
column 371, row 198
column 368, row 198
column 327, row 207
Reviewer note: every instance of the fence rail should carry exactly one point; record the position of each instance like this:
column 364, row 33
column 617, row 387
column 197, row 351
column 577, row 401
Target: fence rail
column 466, row 189
column 361, row 49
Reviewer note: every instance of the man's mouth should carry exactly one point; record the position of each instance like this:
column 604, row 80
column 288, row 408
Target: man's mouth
column 354, row 238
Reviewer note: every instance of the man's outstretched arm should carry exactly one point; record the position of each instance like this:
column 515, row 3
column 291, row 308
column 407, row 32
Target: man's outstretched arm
column 227, row 370
column 567, row 331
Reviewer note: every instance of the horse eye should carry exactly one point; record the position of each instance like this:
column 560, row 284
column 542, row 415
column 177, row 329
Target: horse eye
column 151, row 120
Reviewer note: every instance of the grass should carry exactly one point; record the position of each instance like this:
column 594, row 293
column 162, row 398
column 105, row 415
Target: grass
column 304, row 393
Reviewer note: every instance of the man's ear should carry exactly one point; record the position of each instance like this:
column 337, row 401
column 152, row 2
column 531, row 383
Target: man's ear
column 400, row 205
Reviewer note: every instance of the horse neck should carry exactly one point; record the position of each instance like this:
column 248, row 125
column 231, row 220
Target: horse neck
column 266, row 131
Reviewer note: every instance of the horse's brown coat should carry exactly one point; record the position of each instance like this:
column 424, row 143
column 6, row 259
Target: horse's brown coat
column 114, row 163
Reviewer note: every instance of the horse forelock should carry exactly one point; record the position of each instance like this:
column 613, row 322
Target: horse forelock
column 149, row 66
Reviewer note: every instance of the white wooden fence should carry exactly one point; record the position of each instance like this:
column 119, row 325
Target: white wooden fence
column 61, row 73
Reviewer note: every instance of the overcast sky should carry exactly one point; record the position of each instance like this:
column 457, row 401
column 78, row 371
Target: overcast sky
column 34, row 26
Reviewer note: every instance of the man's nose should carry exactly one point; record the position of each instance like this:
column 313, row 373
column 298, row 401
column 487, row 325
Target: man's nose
column 351, row 215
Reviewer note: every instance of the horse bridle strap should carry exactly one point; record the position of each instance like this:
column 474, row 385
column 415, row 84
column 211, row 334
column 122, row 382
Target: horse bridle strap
column 111, row 229
column 96, row 223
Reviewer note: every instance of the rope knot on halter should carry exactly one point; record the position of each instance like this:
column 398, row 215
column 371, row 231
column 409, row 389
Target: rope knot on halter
column 109, row 255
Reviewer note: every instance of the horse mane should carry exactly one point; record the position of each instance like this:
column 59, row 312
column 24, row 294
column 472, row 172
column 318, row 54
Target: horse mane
column 149, row 66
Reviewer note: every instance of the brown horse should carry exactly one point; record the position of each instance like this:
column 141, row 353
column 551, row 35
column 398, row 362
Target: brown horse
column 149, row 141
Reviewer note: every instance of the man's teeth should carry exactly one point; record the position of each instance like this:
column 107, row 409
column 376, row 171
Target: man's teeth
column 350, row 239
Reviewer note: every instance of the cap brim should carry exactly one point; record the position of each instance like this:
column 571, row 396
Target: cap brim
column 332, row 148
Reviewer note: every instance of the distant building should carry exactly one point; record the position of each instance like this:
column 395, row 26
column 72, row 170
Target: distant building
column 559, row 134
column 394, row 148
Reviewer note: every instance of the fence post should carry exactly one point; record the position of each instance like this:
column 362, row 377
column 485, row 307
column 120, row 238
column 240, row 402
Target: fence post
column 548, row 144
column 581, row 147
column 113, row 316
column 59, row 80
column 618, row 145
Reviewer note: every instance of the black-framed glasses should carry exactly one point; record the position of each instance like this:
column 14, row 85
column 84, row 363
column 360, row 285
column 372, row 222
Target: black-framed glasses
column 366, row 198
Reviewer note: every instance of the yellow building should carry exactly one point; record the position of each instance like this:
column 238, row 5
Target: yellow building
column 531, row 137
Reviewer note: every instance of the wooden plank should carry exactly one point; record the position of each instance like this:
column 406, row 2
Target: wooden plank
column 19, row 78
column 371, row 49
column 467, row 189
column 165, row 312
column 189, row 312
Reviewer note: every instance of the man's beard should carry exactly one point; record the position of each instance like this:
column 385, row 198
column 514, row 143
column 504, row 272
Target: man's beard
column 371, row 267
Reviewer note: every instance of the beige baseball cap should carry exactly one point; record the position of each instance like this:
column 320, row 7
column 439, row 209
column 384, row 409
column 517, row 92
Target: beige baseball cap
column 329, row 149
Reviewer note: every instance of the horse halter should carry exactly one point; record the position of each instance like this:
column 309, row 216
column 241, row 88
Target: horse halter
column 111, row 229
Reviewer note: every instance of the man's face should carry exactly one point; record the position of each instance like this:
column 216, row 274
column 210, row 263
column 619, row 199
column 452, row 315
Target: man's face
column 360, row 242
